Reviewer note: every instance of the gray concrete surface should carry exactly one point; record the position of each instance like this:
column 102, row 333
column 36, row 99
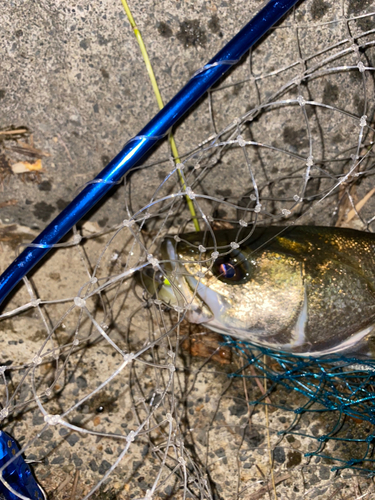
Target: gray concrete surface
column 71, row 72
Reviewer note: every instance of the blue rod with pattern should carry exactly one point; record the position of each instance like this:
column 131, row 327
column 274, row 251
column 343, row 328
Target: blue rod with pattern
column 135, row 149
column 17, row 473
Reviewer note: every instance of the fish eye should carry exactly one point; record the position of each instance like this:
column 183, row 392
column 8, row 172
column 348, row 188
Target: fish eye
column 230, row 269
column 227, row 270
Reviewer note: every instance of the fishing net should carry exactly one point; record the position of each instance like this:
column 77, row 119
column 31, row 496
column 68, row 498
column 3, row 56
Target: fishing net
column 111, row 392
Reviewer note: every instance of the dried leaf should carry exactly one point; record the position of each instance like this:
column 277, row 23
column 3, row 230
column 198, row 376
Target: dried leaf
column 27, row 150
column 13, row 234
column 4, row 164
column 13, row 133
column 222, row 224
column 23, row 167
column 208, row 345
column 7, row 204
column 267, row 487
column 359, row 205
column 7, row 229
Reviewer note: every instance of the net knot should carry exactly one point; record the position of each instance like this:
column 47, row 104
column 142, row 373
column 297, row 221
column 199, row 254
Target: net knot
column 153, row 261
column 242, row 223
column 215, row 255
column 190, row 193
column 130, row 437
column 128, row 357
column 37, row 360
column 310, row 161
column 128, row 222
column 301, row 100
column 241, row 141
column 361, row 67
column 79, row 302
column 179, row 309
column 201, row 248
column 363, row 121
column 52, row 419
column 234, row 245
column 77, row 238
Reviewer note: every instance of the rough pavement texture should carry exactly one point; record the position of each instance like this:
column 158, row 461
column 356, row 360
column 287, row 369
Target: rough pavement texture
column 72, row 73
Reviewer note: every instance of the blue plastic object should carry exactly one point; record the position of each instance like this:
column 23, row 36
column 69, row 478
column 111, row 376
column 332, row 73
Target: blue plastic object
column 17, row 474
column 133, row 151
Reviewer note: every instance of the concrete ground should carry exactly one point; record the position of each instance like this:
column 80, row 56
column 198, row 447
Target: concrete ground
column 74, row 86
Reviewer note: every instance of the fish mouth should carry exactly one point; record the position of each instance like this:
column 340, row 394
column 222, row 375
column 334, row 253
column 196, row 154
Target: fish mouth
column 213, row 302
column 159, row 281
column 184, row 286
column 171, row 284
column 203, row 304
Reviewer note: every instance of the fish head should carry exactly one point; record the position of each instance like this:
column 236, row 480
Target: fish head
column 242, row 290
column 305, row 290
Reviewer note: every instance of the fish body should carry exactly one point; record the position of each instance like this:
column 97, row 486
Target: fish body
column 307, row 290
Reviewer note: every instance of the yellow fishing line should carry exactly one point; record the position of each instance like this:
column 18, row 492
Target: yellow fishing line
column 159, row 100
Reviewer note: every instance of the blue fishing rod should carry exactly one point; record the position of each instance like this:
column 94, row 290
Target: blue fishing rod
column 137, row 147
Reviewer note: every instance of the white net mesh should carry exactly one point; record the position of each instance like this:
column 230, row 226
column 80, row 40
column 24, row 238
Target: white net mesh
column 101, row 383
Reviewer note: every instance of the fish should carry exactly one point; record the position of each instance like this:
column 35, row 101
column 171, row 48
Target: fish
column 305, row 290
